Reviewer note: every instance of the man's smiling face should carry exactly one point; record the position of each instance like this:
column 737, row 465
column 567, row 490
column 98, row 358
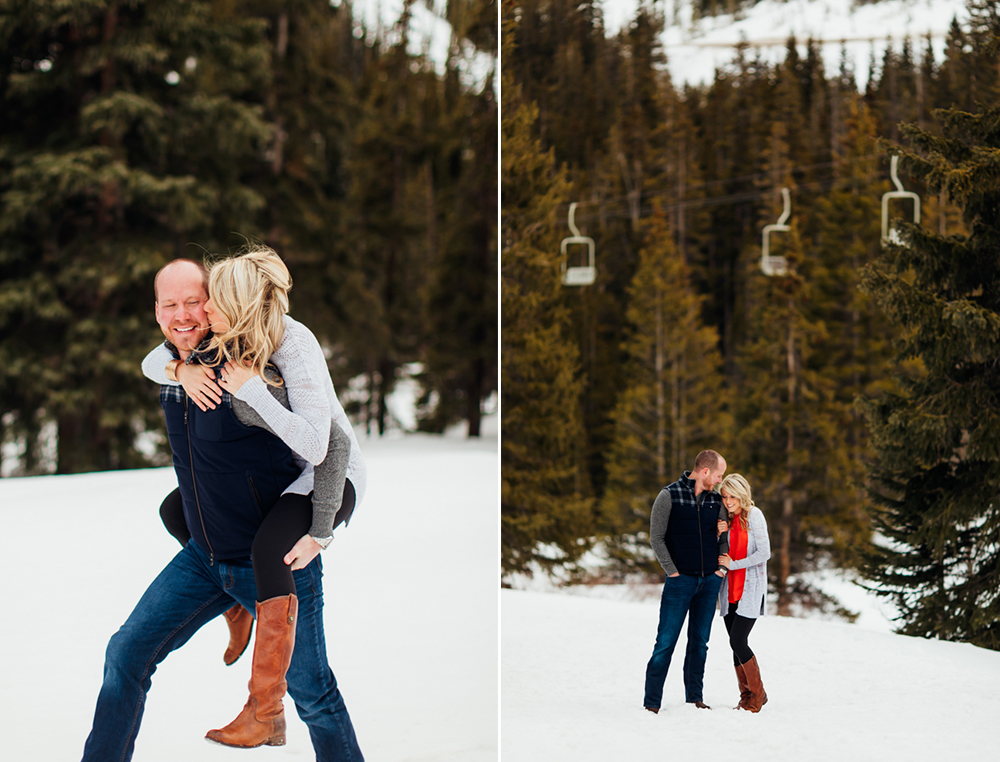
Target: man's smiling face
column 180, row 306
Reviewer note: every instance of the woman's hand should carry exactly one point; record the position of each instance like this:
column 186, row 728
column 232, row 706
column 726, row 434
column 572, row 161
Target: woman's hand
column 234, row 376
column 723, row 526
column 199, row 384
column 302, row 553
column 724, row 561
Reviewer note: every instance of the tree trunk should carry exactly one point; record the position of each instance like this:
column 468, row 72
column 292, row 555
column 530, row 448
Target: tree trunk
column 681, row 180
column 387, row 373
column 661, row 403
column 788, row 504
column 83, row 445
column 280, row 136
column 474, row 411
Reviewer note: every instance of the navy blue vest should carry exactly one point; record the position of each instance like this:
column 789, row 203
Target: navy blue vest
column 692, row 536
column 229, row 474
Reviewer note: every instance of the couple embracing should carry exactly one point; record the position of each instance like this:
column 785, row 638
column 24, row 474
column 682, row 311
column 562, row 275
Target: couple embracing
column 713, row 547
column 268, row 466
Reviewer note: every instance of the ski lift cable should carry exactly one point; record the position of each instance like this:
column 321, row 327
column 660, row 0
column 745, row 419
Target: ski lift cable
column 655, row 192
column 645, row 210
column 733, row 198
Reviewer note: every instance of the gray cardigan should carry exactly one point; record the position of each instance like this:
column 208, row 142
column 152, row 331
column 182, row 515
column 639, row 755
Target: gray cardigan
column 754, row 601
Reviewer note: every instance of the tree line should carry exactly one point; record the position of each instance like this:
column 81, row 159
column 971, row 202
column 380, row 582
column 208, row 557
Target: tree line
column 136, row 132
column 834, row 383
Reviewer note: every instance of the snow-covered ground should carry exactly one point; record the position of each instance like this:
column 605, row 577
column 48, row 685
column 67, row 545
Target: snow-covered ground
column 573, row 662
column 572, row 671
column 411, row 590
column 695, row 49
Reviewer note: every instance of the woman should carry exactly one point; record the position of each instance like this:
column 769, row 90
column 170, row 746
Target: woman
column 742, row 597
column 248, row 302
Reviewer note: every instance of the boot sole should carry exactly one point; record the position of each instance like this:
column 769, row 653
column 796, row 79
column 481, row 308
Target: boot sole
column 269, row 742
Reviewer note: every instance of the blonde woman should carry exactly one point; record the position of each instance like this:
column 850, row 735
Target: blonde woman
column 742, row 598
column 247, row 313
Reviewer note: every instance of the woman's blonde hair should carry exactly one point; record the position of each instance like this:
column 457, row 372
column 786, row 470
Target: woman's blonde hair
column 739, row 487
column 250, row 291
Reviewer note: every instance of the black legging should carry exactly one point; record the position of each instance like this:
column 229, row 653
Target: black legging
column 738, row 628
column 287, row 521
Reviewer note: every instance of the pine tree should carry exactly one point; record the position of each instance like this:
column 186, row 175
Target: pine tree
column 672, row 404
column 633, row 154
column 788, row 423
column 461, row 353
column 735, row 122
column 129, row 130
column 386, row 214
column 543, row 498
column 937, row 436
column 854, row 351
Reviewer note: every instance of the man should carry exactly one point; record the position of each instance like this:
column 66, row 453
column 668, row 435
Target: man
column 684, row 536
column 213, row 571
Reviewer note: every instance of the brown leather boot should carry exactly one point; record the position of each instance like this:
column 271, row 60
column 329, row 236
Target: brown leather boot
column 741, row 678
column 262, row 721
column 758, row 697
column 240, row 623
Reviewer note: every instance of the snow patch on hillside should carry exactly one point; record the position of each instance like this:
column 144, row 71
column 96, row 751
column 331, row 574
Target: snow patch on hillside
column 696, row 48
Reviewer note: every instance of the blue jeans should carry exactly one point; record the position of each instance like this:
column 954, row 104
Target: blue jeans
column 683, row 596
column 187, row 594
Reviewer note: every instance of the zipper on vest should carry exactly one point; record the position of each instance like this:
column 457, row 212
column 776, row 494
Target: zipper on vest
column 256, row 498
column 701, row 540
column 194, row 483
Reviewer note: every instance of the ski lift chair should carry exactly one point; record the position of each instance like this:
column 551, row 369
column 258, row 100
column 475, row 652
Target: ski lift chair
column 891, row 235
column 577, row 276
column 775, row 265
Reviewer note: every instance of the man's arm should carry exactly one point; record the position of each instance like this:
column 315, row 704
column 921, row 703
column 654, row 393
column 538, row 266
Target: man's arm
column 658, row 521
column 723, row 535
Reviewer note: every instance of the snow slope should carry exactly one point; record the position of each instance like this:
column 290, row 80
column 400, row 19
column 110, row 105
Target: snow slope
column 411, row 611
column 572, row 671
column 696, row 48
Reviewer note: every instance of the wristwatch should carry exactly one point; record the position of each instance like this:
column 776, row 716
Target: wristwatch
column 323, row 542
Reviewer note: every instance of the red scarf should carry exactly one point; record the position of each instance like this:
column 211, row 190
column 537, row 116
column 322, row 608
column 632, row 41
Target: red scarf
column 737, row 551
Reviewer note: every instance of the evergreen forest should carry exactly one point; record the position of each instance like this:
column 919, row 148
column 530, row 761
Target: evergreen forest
column 133, row 132
column 852, row 376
